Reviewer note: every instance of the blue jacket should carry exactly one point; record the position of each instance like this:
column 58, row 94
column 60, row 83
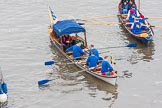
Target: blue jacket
column 95, row 52
column 106, row 67
column 77, row 51
column 131, row 17
column 92, row 61
column 124, row 9
column 136, row 29
column 136, row 12
column 143, row 22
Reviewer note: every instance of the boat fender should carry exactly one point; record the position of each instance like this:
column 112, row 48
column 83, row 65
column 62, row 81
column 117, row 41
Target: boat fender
column 3, row 98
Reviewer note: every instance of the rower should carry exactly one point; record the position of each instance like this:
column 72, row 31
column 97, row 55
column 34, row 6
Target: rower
column 76, row 50
column 135, row 10
column 92, row 61
column 96, row 53
column 106, row 67
column 136, row 27
column 131, row 16
column 124, row 8
column 131, row 3
column 144, row 24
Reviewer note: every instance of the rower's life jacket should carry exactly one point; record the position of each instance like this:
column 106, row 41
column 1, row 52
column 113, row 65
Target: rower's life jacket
column 136, row 28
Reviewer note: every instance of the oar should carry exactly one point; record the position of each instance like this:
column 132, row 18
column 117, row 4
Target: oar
column 100, row 23
column 53, row 62
column 111, row 16
column 132, row 45
column 155, row 18
column 156, row 26
column 45, row 81
column 42, row 82
column 92, row 18
column 49, row 63
column 58, row 63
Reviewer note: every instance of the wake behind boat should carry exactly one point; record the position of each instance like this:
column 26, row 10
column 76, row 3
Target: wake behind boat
column 128, row 16
column 58, row 29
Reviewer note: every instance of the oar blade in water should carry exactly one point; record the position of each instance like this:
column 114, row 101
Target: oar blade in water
column 42, row 82
column 132, row 45
column 49, row 63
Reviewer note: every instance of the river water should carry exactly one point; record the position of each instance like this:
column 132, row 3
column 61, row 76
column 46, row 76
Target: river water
column 25, row 46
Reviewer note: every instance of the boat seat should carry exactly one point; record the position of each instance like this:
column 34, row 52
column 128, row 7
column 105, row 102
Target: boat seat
column 143, row 35
column 124, row 16
column 70, row 56
column 129, row 28
column 69, row 53
column 81, row 62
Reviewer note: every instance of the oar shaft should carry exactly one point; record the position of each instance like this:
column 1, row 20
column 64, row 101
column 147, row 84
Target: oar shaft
column 129, row 45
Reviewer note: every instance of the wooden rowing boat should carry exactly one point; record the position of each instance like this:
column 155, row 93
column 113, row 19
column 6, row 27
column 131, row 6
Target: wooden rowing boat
column 57, row 29
column 145, row 36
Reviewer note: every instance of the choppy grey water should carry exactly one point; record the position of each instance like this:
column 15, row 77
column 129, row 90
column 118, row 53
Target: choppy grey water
column 25, row 46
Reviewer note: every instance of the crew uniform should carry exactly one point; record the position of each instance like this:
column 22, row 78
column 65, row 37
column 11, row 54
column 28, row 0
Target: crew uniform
column 92, row 61
column 143, row 23
column 95, row 51
column 136, row 27
column 77, row 51
column 131, row 15
column 125, row 8
column 106, row 68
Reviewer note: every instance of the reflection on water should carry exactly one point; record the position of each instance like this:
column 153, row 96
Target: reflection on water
column 141, row 52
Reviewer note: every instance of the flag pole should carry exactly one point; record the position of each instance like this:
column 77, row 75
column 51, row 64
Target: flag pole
column 139, row 5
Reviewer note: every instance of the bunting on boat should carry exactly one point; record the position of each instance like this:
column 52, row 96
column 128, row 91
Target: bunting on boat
column 53, row 18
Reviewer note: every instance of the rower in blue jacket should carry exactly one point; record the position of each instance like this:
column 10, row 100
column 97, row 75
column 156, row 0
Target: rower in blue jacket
column 131, row 15
column 96, row 53
column 106, row 67
column 144, row 24
column 125, row 8
column 77, row 50
column 92, row 61
column 136, row 27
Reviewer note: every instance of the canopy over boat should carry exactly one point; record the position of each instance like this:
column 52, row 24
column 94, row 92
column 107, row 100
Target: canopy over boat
column 66, row 27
